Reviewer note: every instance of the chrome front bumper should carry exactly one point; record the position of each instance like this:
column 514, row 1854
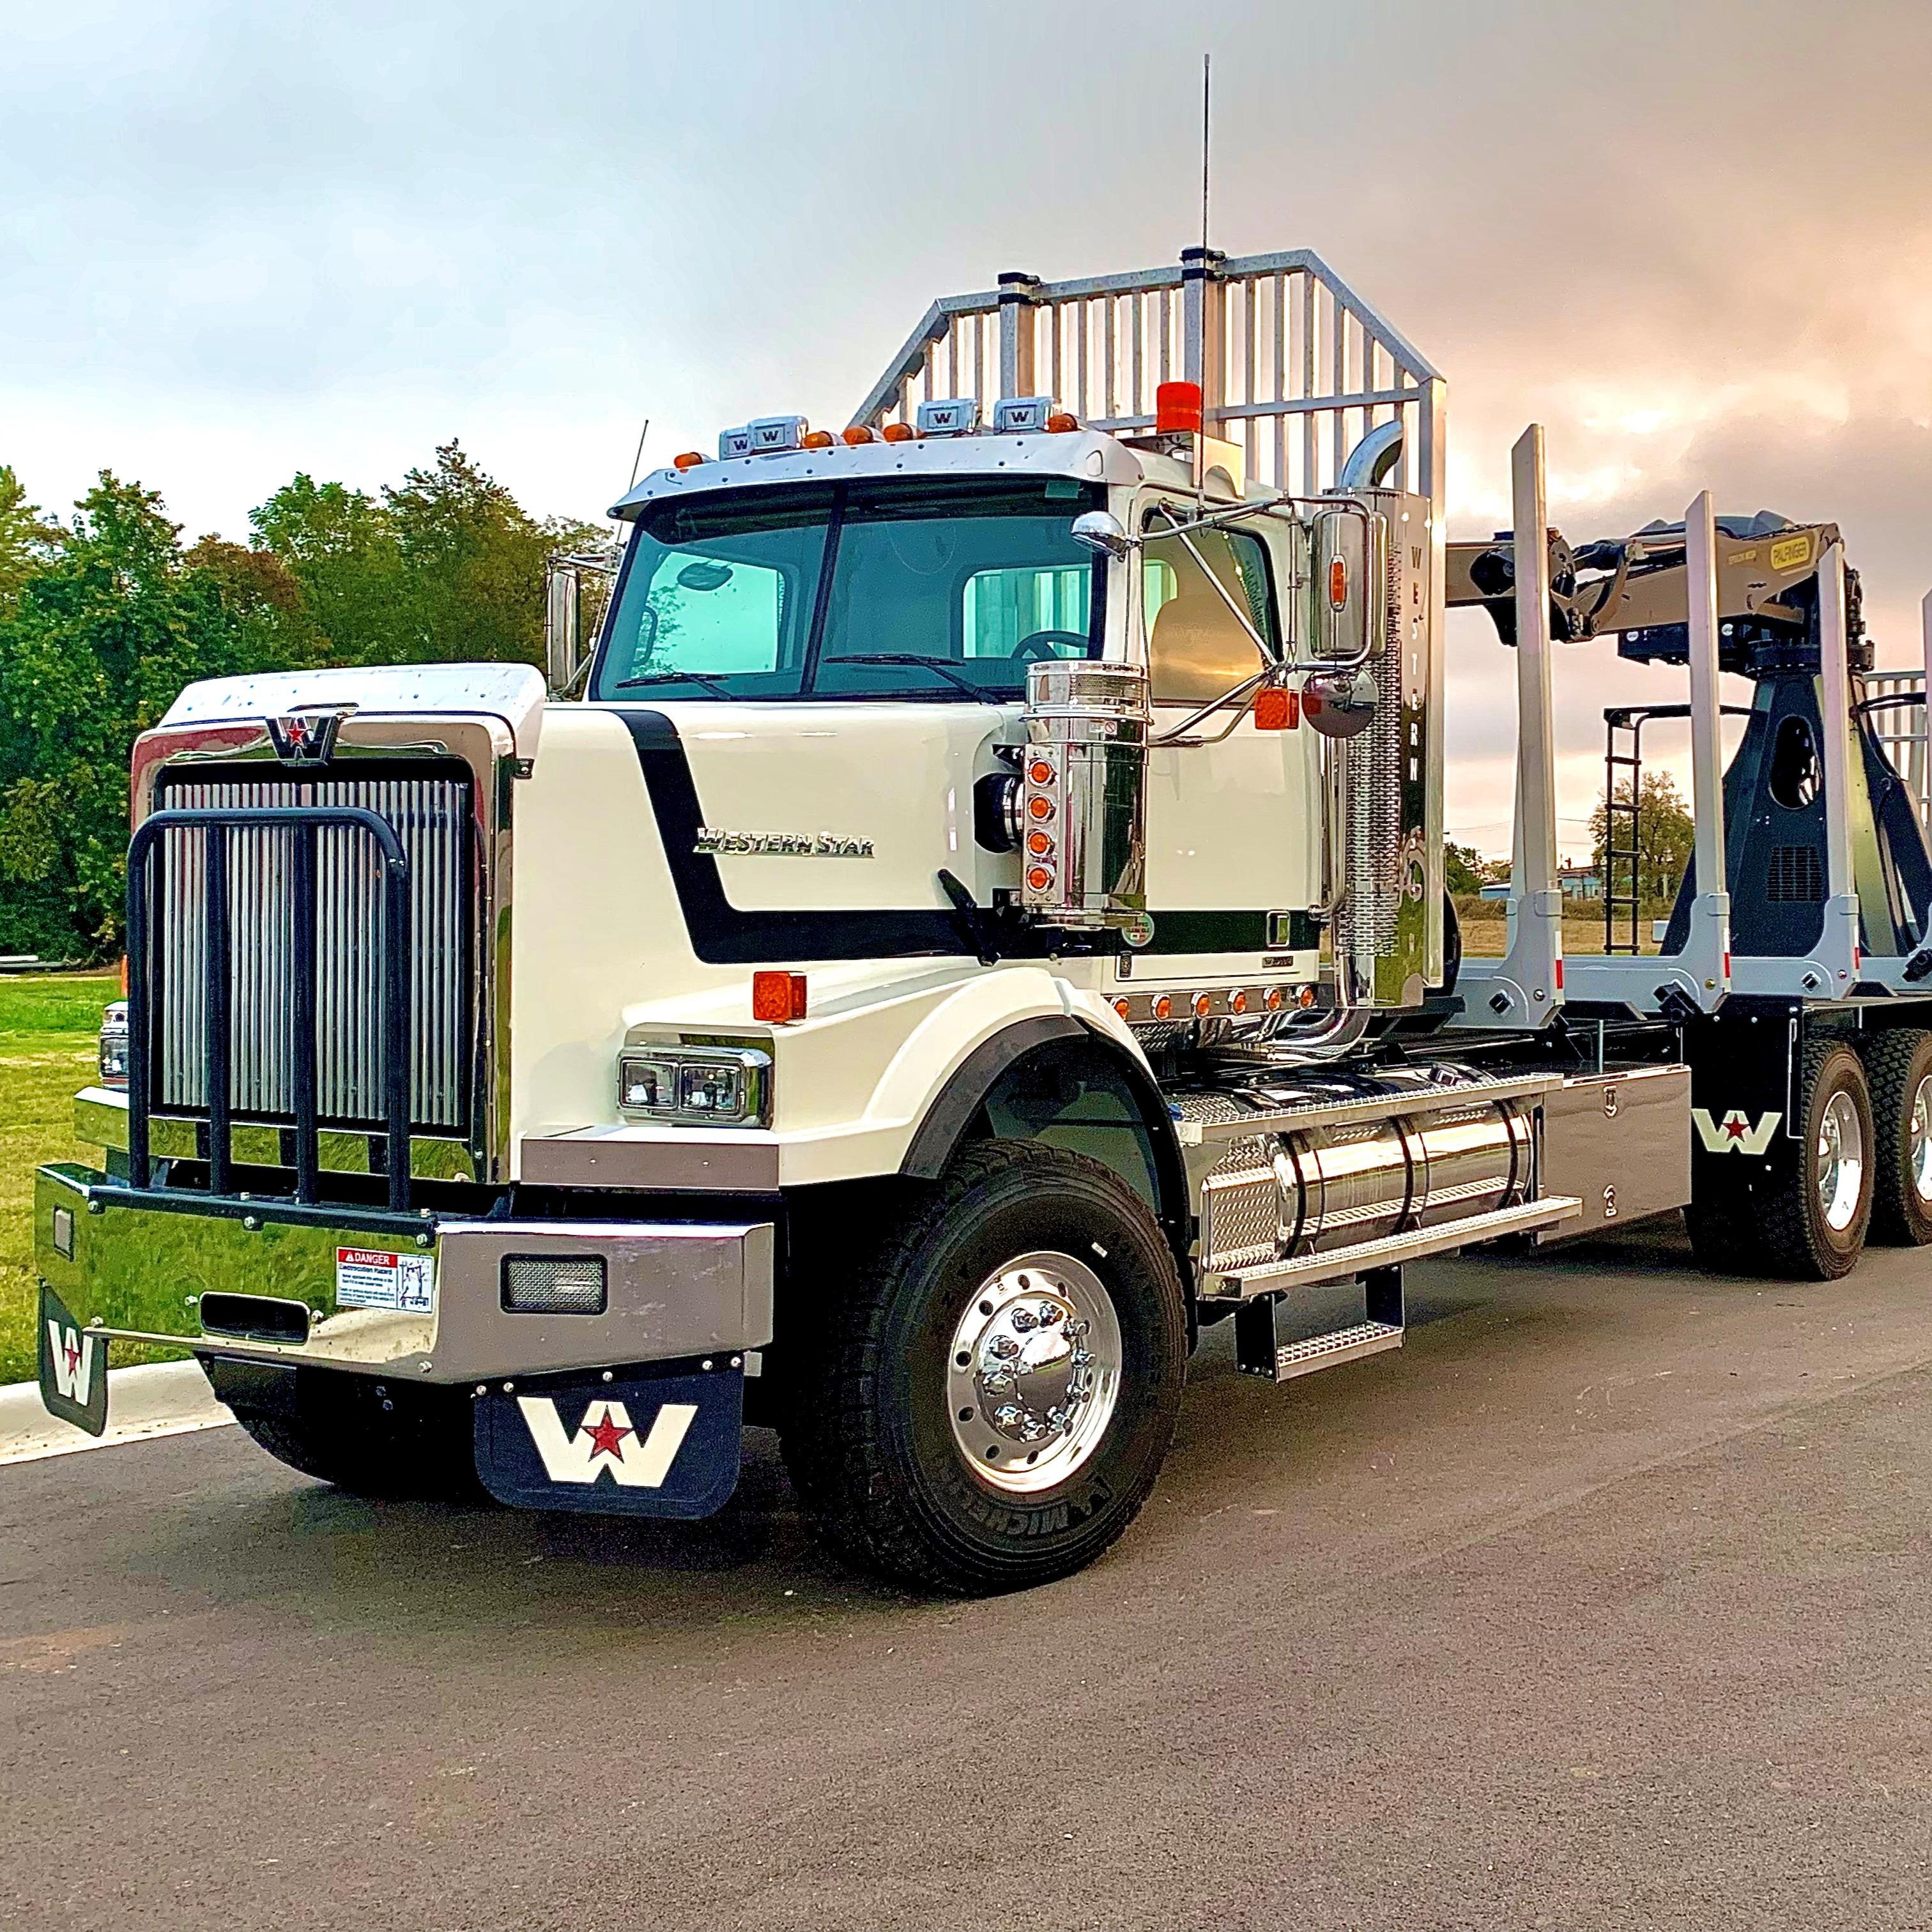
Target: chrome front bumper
column 135, row 1264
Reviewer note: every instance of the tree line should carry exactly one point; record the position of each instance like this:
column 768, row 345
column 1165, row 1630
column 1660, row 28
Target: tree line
column 105, row 616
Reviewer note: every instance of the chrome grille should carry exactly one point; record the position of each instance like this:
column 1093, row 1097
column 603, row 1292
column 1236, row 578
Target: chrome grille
column 431, row 813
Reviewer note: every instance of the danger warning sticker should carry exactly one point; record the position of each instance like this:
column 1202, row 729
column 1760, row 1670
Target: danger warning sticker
column 374, row 1278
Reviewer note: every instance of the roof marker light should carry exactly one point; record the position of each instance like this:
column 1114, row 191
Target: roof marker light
column 816, row 439
column 857, row 434
column 690, row 460
column 1062, row 423
column 899, row 432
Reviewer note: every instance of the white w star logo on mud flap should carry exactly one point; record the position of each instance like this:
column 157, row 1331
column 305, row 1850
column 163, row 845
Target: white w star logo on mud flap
column 606, row 1443
column 1732, row 1133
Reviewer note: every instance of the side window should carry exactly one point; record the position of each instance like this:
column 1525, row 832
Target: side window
column 1196, row 647
column 1002, row 608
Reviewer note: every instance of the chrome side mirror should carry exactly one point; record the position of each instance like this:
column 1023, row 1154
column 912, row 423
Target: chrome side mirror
column 563, row 626
column 1339, row 703
column 1102, row 532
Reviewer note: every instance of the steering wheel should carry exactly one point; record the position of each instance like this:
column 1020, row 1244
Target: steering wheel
column 1042, row 644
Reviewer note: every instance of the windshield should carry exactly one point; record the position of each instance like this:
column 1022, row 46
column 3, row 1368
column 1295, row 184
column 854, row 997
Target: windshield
column 943, row 592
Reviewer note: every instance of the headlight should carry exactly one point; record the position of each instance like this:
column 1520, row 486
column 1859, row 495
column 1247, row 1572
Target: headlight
column 114, row 1045
column 696, row 1086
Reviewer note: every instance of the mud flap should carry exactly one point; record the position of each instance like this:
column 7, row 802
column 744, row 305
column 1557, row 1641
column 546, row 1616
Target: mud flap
column 73, row 1367
column 639, row 1444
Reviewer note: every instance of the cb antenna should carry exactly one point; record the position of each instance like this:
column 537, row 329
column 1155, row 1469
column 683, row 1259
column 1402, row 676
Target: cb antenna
column 1207, row 65
column 638, row 460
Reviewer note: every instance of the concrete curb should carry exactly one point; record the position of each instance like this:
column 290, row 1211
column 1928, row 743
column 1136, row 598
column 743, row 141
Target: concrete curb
column 156, row 1399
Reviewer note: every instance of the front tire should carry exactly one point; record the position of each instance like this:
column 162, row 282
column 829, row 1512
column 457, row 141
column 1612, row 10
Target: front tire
column 1898, row 1063
column 983, row 1399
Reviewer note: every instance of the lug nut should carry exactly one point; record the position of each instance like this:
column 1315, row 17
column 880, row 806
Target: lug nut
column 1005, row 1347
column 1023, row 1319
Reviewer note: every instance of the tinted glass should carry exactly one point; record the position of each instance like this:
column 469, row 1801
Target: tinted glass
column 977, row 580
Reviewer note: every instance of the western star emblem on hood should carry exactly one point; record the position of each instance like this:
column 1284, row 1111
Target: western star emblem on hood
column 782, row 844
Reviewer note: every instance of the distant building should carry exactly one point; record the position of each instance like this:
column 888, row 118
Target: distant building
column 1579, row 882
column 1497, row 889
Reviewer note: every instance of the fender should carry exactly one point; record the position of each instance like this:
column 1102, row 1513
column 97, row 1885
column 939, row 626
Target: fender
column 947, row 1120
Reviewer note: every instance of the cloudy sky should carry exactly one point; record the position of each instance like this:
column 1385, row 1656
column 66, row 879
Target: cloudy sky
column 1694, row 240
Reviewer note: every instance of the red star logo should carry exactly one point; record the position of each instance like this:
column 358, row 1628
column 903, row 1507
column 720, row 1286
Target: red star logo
column 605, row 1435
column 1734, row 1125
column 72, row 1352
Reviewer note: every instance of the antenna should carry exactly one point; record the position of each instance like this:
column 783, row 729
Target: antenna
column 1207, row 63
column 638, row 460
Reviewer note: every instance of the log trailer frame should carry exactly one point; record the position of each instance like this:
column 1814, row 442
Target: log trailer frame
column 913, row 1048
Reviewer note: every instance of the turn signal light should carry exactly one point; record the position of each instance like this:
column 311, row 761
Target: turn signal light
column 1060, row 422
column 899, row 432
column 857, row 434
column 778, row 998
column 816, row 439
column 1338, row 584
column 1276, row 709
column 690, row 460
column 1176, row 407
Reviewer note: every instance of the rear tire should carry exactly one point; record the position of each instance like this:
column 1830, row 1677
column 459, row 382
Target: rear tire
column 1898, row 1064
column 1815, row 1230
column 950, row 1424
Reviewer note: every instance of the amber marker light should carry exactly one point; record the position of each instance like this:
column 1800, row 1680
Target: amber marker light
column 1039, row 843
column 1120, row 1007
column 1203, row 1005
column 690, row 460
column 1237, row 1003
column 1040, row 772
column 899, row 432
column 1039, row 878
column 1039, row 808
column 1163, row 1008
column 1276, row 709
column 1338, row 584
column 1061, row 422
column 778, row 998
column 1305, row 996
column 857, row 434
column 816, row 439
column 1274, row 999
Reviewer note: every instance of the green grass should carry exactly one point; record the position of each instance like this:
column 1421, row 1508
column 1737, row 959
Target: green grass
column 49, row 1025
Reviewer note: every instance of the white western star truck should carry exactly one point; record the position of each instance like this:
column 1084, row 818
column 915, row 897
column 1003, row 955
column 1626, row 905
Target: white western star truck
column 972, row 918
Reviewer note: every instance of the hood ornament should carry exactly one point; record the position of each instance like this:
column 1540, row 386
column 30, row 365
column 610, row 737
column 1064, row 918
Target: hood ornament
column 307, row 737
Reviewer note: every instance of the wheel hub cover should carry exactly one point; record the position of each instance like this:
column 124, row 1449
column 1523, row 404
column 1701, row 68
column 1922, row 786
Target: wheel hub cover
column 1033, row 1372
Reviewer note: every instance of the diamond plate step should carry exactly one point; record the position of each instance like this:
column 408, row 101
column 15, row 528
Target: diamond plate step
column 1328, row 1352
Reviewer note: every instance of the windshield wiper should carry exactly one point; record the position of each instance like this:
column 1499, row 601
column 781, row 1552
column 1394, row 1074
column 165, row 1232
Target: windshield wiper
column 710, row 683
column 935, row 665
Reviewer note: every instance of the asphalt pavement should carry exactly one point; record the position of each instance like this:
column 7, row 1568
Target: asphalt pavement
column 1607, row 1602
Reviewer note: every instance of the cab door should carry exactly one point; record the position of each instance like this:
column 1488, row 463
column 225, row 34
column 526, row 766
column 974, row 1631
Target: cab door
column 1233, row 821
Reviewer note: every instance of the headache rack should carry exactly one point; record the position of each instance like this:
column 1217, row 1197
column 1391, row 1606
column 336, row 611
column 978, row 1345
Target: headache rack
column 212, row 828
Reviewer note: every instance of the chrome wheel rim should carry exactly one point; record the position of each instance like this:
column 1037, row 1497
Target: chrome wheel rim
column 1918, row 1140
column 1033, row 1373
column 1841, row 1162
